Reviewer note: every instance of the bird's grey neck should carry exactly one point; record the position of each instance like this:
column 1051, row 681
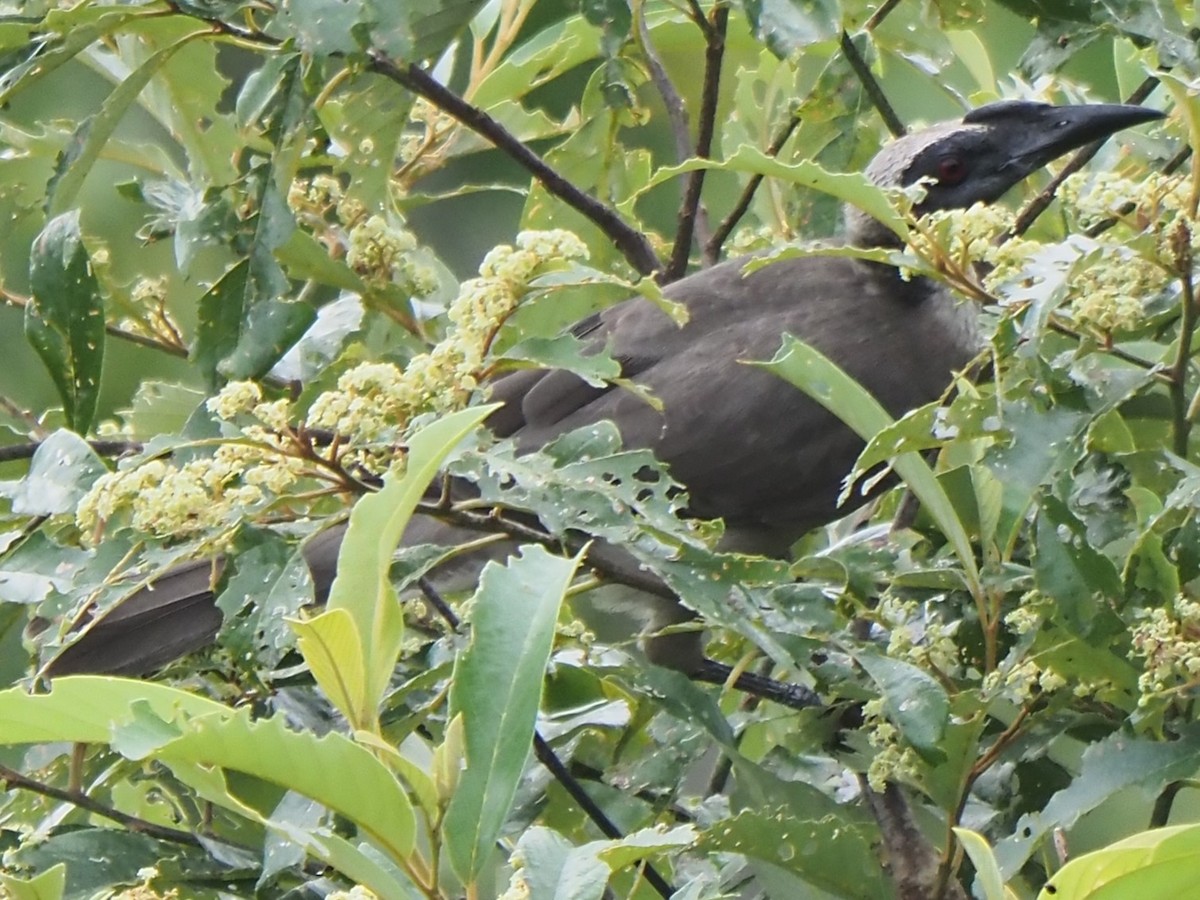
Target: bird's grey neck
column 862, row 230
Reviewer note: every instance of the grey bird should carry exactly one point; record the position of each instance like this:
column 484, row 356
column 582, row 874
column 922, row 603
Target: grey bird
column 749, row 447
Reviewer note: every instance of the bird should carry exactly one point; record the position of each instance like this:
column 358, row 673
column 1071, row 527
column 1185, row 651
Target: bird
column 748, row 447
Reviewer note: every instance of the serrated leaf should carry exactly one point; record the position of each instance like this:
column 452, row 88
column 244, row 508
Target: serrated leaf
column 1109, row 766
column 64, row 321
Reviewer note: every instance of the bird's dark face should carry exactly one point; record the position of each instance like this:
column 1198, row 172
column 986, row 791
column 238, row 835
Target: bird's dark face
column 992, row 148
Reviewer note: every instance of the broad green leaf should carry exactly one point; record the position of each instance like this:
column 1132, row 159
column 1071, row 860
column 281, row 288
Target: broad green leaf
column 497, row 688
column 332, row 647
column 177, row 727
column 221, row 310
column 821, row 379
column 1110, row 765
column 364, row 791
column 363, row 623
column 83, row 708
column 360, row 863
column 60, row 473
column 913, row 700
column 64, row 322
column 1069, row 569
column 1161, row 862
column 821, row 847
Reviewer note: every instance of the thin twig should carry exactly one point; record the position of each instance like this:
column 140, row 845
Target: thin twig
column 100, row 448
column 714, row 54
column 132, row 337
column 677, row 116
column 712, row 249
column 14, row 779
column 880, row 14
column 631, row 242
column 874, row 92
column 1181, row 240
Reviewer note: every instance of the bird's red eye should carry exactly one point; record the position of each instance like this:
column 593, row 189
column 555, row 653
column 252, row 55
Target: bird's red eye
column 951, row 170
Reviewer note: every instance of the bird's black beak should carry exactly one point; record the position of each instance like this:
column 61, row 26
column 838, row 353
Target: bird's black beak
column 1050, row 131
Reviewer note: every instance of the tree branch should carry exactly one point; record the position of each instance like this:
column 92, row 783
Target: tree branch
column 714, row 54
column 631, row 242
column 874, row 92
column 712, row 249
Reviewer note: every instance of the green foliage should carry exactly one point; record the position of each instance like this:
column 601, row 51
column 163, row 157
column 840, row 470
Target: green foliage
column 260, row 262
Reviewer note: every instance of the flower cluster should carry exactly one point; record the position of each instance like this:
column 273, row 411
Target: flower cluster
column 893, row 760
column 170, row 500
column 917, row 634
column 1169, row 640
column 376, row 401
column 383, row 254
column 380, row 252
column 207, row 492
column 1018, row 680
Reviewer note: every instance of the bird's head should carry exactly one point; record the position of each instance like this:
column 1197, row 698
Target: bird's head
column 980, row 156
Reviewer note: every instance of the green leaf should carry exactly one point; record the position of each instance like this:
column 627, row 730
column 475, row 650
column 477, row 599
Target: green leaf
column 986, row 869
column 62, row 470
column 94, row 131
column 184, row 729
column 64, row 321
column 913, row 701
column 1161, row 862
column 853, row 188
column 821, row 379
column 1069, row 569
column 355, row 642
column 220, row 322
column 824, row 849
column 1110, row 765
column 47, row 885
column 497, row 688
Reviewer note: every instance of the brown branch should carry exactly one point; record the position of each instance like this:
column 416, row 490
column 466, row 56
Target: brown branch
column 874, row 92
column 631, row 242
column 712, row 249
column 101, row 448
column 911, row 862
column 714, row 54
column 14, row 779
column 880, row 14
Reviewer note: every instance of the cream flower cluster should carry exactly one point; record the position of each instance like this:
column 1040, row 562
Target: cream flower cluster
column 916, row 634
column 167, row 499
column 380, row 252
column 375, row 401
column 1170, row 643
